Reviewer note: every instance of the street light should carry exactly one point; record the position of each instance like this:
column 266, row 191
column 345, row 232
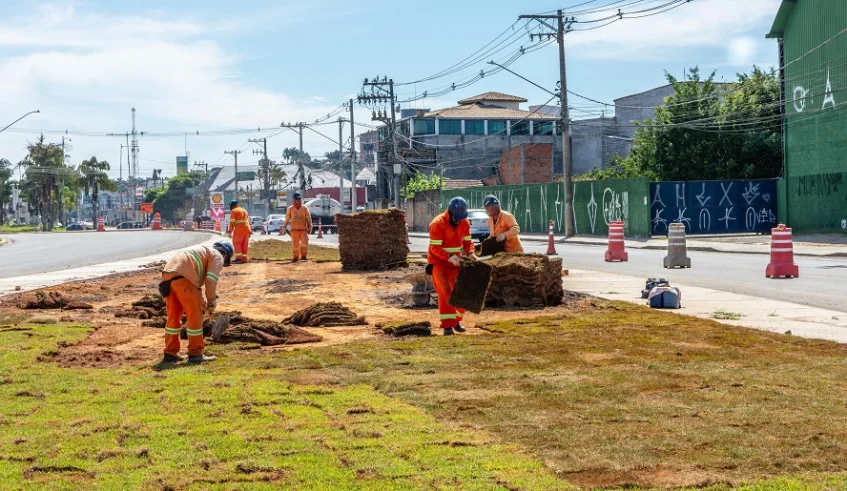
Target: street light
column 22, row 117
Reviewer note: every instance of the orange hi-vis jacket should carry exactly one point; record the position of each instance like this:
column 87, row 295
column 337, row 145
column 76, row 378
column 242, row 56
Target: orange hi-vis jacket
column 200, row 265
column 446, row 240
column 299, row 218
column 506, row 224
column 239, row 220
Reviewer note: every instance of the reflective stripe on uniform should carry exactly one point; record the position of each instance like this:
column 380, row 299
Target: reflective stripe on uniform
column 195, row 332
column 435, row 242
column 169, row 330
column 516, row 228
column 212, row 276
column 448, row 316
column 198, row 262
column 468, row 239
column 452, row 249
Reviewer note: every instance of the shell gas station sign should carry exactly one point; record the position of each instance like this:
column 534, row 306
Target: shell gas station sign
column 216, row 206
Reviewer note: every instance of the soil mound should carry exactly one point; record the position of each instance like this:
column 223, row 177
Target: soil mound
column 372, row 240
column 400, row 329
column 265, row 333
column 525, row 280
column 326, row 314
column 51, row 300
column 490, row 247
column 150, row 308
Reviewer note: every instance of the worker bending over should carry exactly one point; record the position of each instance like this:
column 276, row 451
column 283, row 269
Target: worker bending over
column 240, row 231
column 301, row 226
column 449, row 239
column 182, row 284
column 503, row 225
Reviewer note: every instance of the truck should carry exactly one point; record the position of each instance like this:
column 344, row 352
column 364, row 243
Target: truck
column 324, row 208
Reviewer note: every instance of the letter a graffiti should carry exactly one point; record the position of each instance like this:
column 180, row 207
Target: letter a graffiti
column 829, row 97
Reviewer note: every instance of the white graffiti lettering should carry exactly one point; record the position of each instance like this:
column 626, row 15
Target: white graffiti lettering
column 829, row 97
column 657, row 197
column 592, row 210
column 612, row 209
column 658, row 220
column 705, row 220
column 751, row 193
column 726, row 194
column 751, row 218
column 683, row 219
column 680, row 195
column 728, row 217
column 702, row 198
column 800, row 95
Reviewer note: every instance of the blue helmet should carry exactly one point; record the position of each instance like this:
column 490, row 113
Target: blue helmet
column 458, row 207
column 226, row 249
column 298, row 196
column 490, row 200
column 233, row 204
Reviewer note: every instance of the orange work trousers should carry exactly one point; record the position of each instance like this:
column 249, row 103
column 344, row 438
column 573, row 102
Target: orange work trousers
column 444, row 278
column 240, row 242
column 184, row 298
column 299, row 243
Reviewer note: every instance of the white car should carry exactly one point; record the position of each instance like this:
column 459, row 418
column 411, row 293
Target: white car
column 479, row 224
column 256, row 223
column 273, row 223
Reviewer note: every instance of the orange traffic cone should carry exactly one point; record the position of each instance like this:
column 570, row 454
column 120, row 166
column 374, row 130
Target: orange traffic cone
column 101, row 224
column 782, row 254
column 320, row 230
column 551, row 248
column 617, row 248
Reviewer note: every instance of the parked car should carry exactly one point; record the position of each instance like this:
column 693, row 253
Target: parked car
column 74, row 227
column 273, row 223
column 479, row 224
column 125, row 226
column 256, row 223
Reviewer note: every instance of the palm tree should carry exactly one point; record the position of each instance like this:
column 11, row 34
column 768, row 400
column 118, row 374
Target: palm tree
column 94, row 178
column 45, row 167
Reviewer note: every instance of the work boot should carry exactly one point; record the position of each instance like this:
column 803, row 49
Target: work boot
column 239, row 261
column 201, row 358
column 169, row 358
column 295, row 259
column 448, row 331
column 304, row 258
column 460, row 328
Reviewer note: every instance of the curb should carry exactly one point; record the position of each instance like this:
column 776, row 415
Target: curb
column 662, row 248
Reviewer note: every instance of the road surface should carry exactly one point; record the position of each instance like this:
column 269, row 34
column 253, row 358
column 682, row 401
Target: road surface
column 48, row 252
column 822, row 282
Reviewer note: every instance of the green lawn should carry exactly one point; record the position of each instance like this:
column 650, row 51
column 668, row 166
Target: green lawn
column 613, row 395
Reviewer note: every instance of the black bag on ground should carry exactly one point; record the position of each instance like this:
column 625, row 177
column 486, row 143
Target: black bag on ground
column 471, row 286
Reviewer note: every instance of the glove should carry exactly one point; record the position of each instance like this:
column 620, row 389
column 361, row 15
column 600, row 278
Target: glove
column 473, row 257
column 454, row 260
column 501, row 237
column 210, row 308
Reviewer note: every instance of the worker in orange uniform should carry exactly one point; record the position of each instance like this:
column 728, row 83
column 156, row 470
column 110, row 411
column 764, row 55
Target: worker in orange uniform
column 449, row 239
column 503, row 225
column 183, row 279
column 300, row 220
column 240, row 231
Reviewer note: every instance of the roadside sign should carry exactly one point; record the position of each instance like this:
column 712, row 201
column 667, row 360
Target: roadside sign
column 146, row 207
column 246, row 176
column 217, row 201
column 217, row 214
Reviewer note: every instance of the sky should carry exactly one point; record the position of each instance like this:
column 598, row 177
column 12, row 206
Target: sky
column 216, row 65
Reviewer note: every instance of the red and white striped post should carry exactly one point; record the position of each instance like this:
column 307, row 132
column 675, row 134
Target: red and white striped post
column 101, row 224
column 320, row 229
column 551, row 247
column 782, row 254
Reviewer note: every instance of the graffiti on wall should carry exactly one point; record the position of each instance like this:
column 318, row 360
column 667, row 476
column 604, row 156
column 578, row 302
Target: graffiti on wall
column 805, row 98
column 614, row 206
column 714, row 207
column 819, row 184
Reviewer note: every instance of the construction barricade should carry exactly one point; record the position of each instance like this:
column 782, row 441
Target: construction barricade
column 782, row 254
column 617, row 247
column 677, row 248
column 101, row 224
column 157, row 221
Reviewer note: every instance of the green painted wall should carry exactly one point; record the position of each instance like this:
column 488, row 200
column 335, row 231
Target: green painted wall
column 532, row 204
column 816, row 126
column 596, row 203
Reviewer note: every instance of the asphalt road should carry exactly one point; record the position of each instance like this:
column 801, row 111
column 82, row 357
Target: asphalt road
column 822, row 282
column 43, row 253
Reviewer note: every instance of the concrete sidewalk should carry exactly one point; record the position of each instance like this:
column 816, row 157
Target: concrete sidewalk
column 751, row 312
column 732, row 244
column 44, row 280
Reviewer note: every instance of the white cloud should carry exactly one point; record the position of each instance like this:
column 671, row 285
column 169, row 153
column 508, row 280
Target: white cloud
column 742, row 51
column 86, row 71
column 698, row 24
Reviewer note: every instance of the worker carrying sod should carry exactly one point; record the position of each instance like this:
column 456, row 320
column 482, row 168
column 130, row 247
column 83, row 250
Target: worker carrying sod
column 183, row 279
column 503, row 226
column 449, row 240
column 300, row 220
column 240, row 231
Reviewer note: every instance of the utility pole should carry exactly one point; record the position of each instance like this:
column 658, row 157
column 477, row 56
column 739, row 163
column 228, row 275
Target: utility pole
column 567, row 163
column 341, row 163
column 300, row 170
column 379, row 95
column 235, row 153
column 266, row 172
column 352, row 161
column 203, row 164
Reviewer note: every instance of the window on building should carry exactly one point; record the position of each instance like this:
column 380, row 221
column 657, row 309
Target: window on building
column 520, row 127
column 474, row 127
column 403, row 128
column 496, row 127
column 539, row 128
column 450, row 127
column 424, row 127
